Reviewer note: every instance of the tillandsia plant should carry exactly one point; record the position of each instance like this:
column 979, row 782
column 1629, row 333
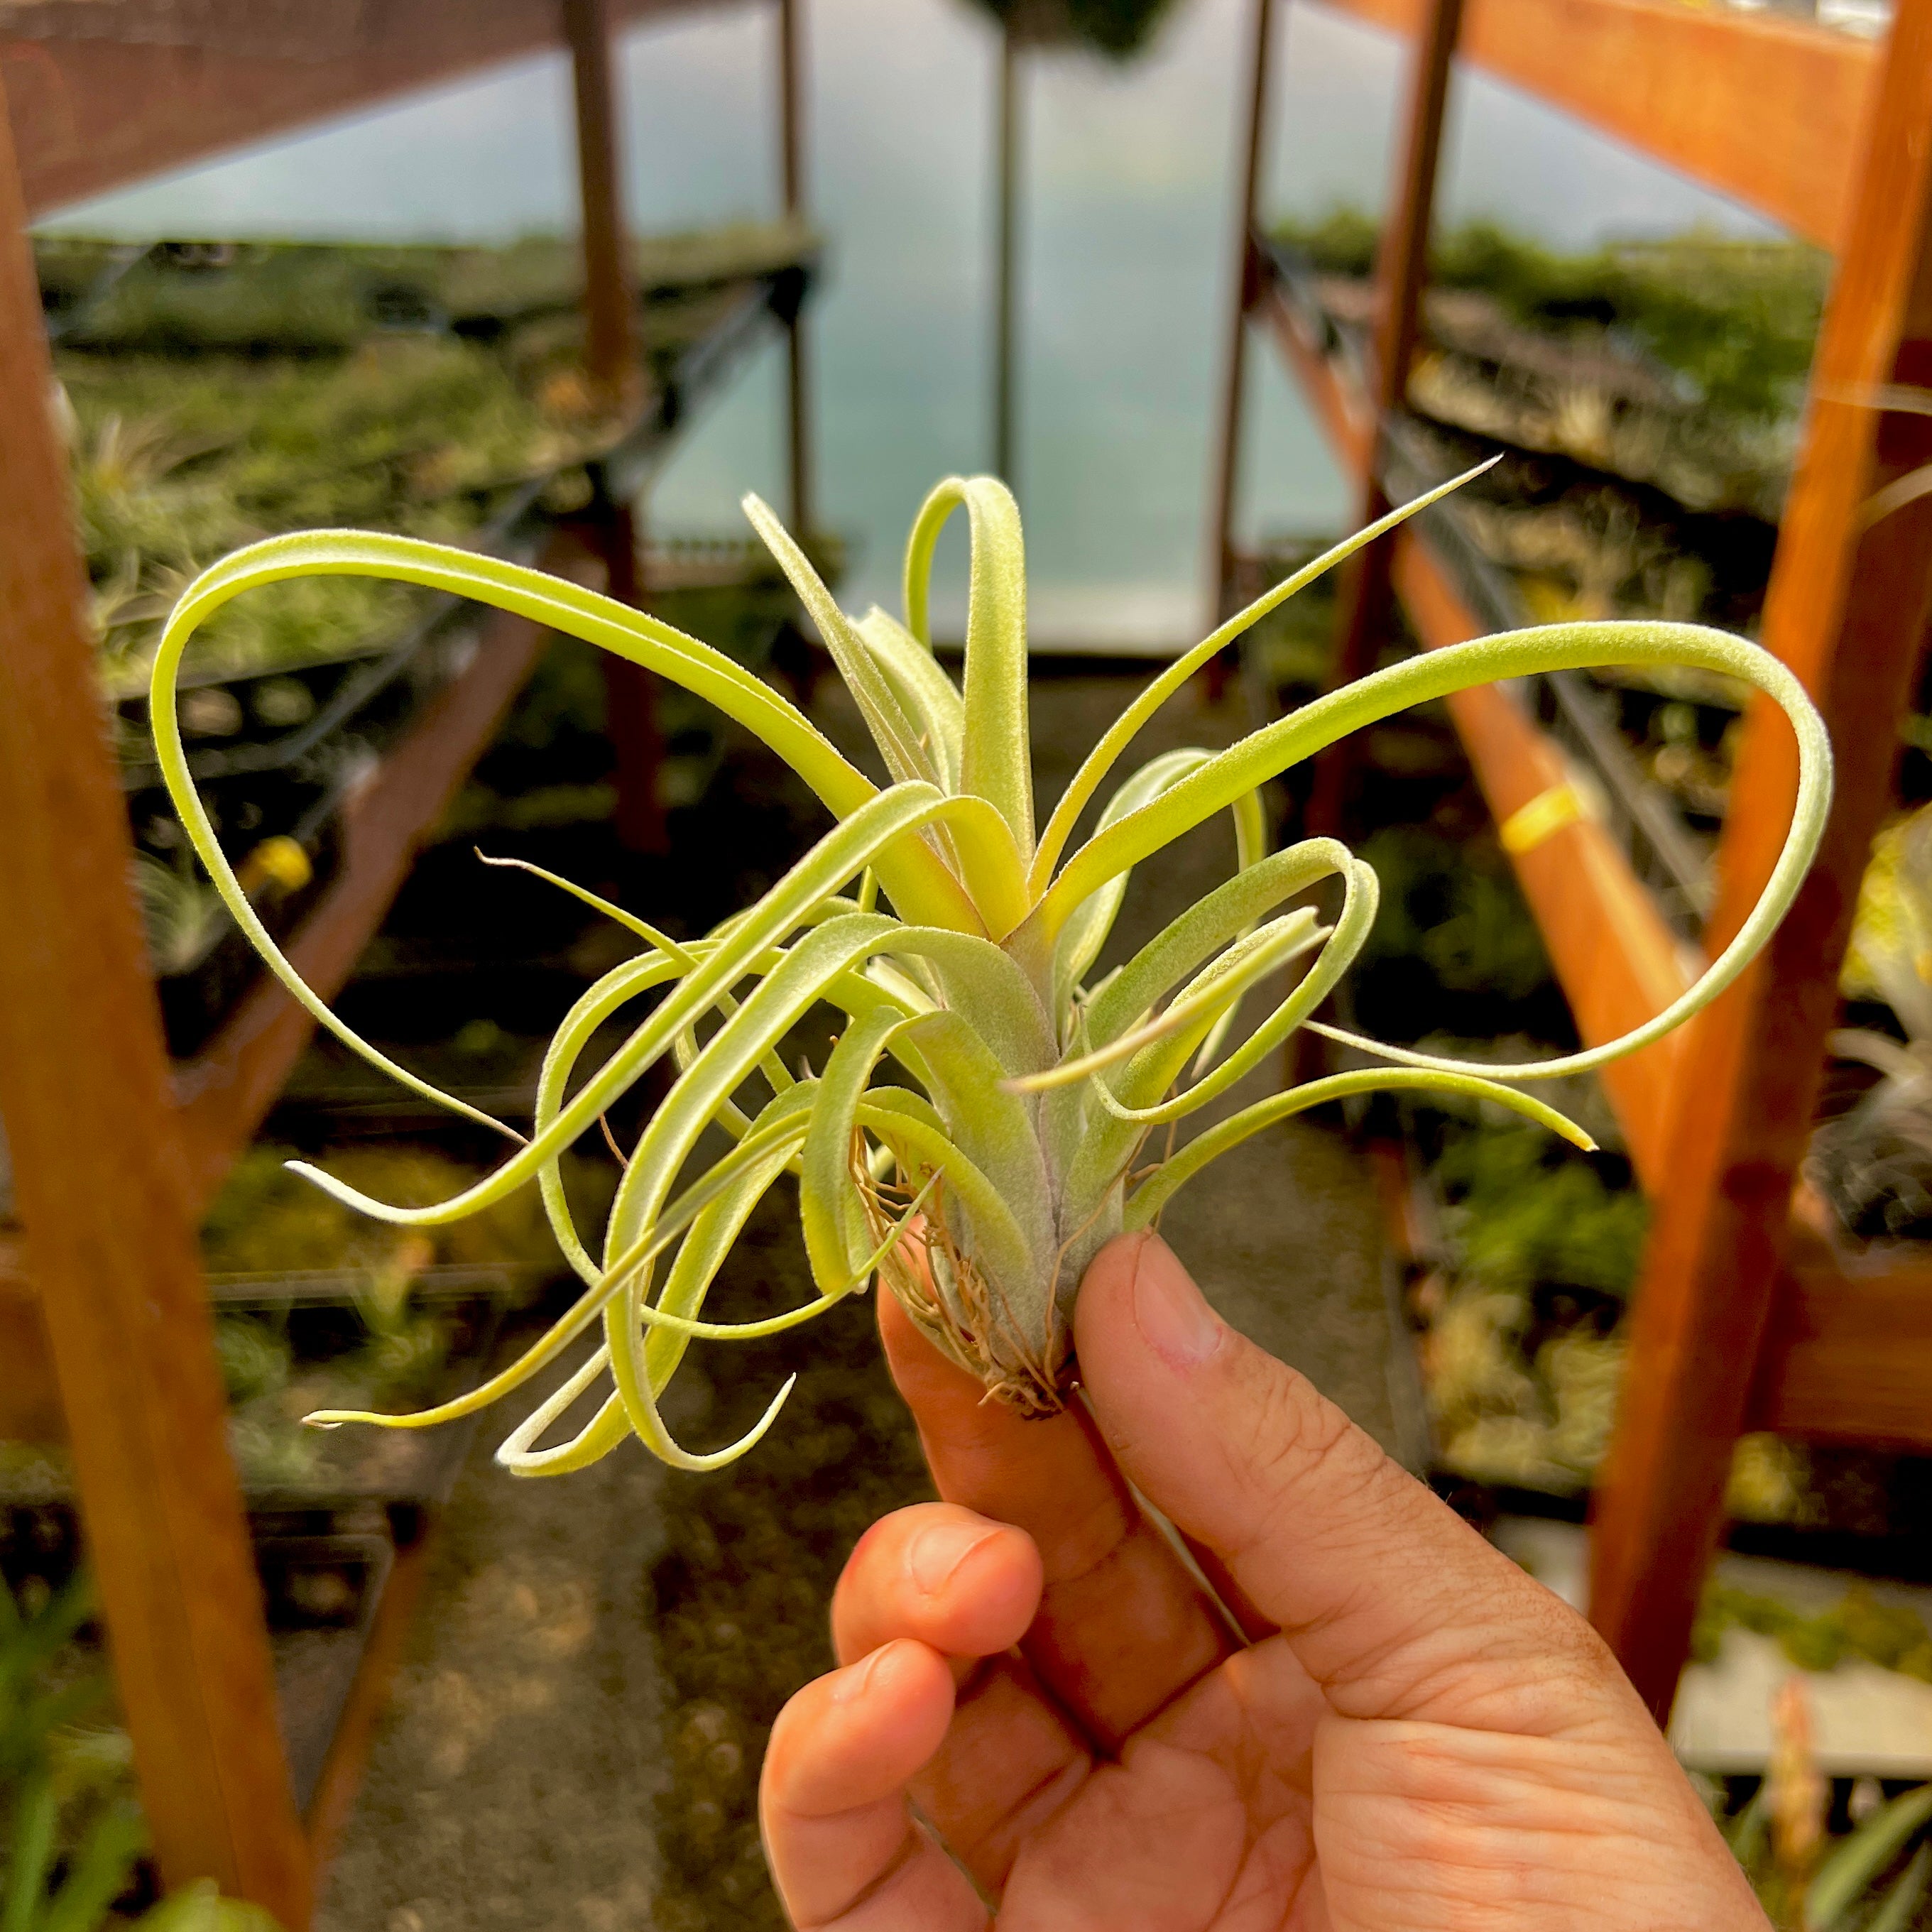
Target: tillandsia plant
column 1035, row 1111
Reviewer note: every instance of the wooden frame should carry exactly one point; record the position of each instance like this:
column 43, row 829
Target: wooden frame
column 102, row 92
column 1401, row 265
column 1846, row 609
column 1764, row 109
column 104, row 1321
column 100, row 1172
column 1746, row 1317
column 1248, row 279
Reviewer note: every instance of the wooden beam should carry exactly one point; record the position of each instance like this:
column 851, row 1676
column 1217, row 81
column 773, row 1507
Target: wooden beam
column 1845, row 610
column 610, row 526
column 1247, row 287
column 103, row 92
column 1617, row 962
column 611, row 531
column 1364, row 608
column 341, row 1774
column 1365, row 602
column 1765, row 110
column 100, row 1178
column 610, row 352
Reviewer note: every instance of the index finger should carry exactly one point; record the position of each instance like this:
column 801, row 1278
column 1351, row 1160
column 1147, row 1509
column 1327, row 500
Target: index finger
column 1123, row 1627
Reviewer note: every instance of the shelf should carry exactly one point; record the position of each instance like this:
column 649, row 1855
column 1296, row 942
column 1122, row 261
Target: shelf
column 1848, row 1353
column 1765, row 111
column 224, row 1094
column 1749, row 1313
column 103, row 92
column 225, row 1091
column 1614, row 953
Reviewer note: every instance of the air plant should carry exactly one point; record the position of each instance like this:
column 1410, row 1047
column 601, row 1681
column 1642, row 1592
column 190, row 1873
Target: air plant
column 1033, row 1110
column 1875, row 1162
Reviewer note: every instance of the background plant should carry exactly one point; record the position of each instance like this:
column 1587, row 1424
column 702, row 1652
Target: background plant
column 73, row 1825
column 1045, row 1106
column 1872, row 1878
column 1875, row 1162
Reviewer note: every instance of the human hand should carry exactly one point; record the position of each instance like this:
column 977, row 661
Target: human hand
column 1417, row 1737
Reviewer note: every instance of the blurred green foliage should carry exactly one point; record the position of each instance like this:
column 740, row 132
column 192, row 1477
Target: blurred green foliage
column 1455, row 905
column 1117, row 28
column 216, row 393
column 1889, row 1635
column 267, row 1221
column 1736, row 319
column 74, row 1831
column 1526, row 1211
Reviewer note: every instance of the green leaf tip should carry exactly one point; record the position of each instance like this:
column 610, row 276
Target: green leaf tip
column 983, row 1091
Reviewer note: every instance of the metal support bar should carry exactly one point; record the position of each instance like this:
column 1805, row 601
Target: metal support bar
column 1005, row 293
column 791, row 154
column 101, row 1182
column 1366, row 604
column 1247, row 288
column 1846, row 609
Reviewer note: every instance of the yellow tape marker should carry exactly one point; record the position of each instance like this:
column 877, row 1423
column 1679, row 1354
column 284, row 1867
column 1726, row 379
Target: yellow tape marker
column 1549, row 811
column 277, row 860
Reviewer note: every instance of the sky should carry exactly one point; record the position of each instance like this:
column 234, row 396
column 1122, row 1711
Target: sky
column 1126, row 248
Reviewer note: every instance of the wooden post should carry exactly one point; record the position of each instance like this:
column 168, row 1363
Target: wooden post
column 609, row 354
column 1846, row 609
column 610, row 528
column 102, row 1190
column 630, row 692
column 1247, row 283
column 1366, row 604
column 1005, row 293
column 791, row 145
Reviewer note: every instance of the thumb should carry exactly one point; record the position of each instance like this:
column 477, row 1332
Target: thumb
column 1392, row 1603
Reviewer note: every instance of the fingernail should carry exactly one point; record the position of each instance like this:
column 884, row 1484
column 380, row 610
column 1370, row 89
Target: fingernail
column 1174, row 1320
column 851, row 1684
column 936, row 1553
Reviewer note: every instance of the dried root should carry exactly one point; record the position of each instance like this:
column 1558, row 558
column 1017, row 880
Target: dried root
column 936, row 1280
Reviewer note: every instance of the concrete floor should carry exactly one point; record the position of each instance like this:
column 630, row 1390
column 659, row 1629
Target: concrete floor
column 511, row 1784
column 517, row 1777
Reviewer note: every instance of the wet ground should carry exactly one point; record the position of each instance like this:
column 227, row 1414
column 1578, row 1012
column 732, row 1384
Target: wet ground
column 574, row 1738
